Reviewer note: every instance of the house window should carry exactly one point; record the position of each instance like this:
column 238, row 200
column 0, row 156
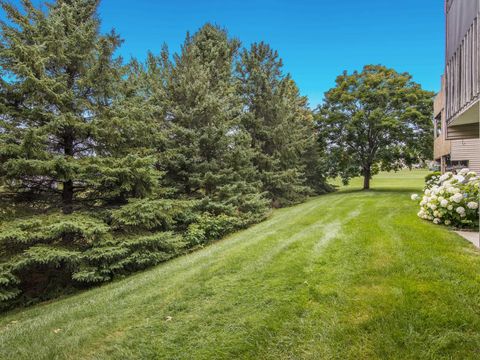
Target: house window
column 438, row 126
column 456, row 165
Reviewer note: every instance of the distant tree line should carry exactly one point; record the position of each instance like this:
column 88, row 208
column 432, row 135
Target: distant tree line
column 108, row 167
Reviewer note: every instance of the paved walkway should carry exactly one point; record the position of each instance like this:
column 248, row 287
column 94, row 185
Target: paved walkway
column 472, row 236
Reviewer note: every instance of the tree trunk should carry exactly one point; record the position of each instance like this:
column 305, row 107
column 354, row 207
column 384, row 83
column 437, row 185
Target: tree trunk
column 67, row 193
column 67, row 197
column 366, row 177
column 68, row 147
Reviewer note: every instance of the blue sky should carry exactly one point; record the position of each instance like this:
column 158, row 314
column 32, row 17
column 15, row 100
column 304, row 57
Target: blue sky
column 316, row 39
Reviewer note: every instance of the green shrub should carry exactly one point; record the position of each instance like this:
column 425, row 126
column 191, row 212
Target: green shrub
column 74, row 230
column 49, row 254
column 44, row 255
column 432, row 178
column 210, row 227
column 125, row 255
column 146, row 214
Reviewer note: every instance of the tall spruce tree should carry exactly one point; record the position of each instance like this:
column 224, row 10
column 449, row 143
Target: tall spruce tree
column 279, row 122
column 209, row 155
column 64, row 117
column 75, row 131
column 306, row 152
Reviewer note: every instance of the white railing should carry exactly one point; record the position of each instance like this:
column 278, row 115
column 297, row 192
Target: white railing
column 462, row 73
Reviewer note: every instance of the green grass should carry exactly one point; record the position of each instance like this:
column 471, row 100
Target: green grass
column 401, row 180
column 349, row 275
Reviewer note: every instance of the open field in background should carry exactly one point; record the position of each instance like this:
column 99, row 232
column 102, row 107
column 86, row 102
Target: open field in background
column 349, row 275
column 405, row 180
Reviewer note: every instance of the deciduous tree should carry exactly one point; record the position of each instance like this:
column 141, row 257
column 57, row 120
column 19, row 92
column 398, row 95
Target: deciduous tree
column 376, row 119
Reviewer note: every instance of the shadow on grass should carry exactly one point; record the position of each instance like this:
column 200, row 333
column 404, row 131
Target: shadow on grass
column 378, row 190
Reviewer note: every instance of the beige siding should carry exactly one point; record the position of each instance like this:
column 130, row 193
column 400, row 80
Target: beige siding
column 467, row 150
column 439, row 101
column 441, row 147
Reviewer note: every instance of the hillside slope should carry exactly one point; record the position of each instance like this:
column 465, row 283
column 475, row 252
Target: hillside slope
column 346, row 275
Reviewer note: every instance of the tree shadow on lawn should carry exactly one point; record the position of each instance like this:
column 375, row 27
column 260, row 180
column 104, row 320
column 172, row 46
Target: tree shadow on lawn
column 379, row 190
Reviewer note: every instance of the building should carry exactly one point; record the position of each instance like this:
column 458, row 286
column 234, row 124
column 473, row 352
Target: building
column 457, row 106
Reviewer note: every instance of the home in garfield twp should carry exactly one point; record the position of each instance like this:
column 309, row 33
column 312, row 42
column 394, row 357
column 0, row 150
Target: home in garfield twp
column 457, row 106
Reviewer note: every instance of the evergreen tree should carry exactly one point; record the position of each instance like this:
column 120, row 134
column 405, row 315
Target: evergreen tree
column 280, row 125
column 308, row 153
column 209, row 155
column 143, row 159
column 64, row 118
column 75, row 131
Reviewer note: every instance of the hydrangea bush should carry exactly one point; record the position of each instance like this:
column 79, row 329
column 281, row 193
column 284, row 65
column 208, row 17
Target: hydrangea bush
column 451, row 199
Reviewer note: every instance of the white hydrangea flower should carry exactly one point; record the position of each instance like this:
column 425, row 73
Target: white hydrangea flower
column 472, row 205
column 415, row 197
column 448, row 195
column 453, row 190
column 444, row 177
column 457, row 197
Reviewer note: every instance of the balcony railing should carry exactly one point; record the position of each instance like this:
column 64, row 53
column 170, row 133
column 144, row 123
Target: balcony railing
column 462, row 73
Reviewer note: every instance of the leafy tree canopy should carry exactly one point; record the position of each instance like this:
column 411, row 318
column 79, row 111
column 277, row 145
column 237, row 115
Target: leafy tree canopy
column 376, row 119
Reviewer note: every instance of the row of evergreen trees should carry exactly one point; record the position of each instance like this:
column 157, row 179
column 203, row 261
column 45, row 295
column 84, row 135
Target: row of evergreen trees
column 109, row 167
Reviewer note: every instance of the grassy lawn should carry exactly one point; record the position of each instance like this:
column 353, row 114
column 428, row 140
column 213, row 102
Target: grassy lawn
column 347, row 275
